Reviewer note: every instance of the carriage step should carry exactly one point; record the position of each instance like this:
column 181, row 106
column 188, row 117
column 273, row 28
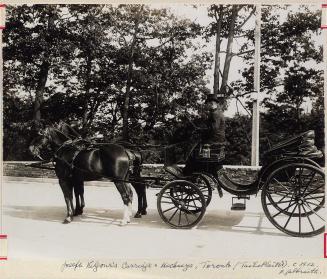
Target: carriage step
column 238, row 206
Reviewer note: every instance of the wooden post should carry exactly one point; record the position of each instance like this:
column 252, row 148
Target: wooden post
column 256, row 99
column 324, row 34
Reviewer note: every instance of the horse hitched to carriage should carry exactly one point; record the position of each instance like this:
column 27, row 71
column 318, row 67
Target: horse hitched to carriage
column 291, row 180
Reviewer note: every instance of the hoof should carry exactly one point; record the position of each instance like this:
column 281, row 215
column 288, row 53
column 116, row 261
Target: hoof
column 67, row 220
column 138, row 215
column 143, row 212
column 78, row 212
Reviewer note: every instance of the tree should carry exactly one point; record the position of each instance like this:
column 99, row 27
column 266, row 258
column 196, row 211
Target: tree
column 290, row 68
column 152, row 45
column 228, row 24
column 32, row 40
column 92, row 63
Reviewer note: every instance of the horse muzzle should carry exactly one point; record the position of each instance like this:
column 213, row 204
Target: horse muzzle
column 35, row 151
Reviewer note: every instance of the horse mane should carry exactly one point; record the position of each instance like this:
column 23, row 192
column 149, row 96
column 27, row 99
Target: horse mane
column 56, row 133
column 67, row 130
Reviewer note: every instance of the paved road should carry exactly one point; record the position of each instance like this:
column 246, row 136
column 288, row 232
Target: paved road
column 33, row 213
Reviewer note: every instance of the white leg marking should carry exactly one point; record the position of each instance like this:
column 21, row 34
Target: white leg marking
column 126, row 218
column 130, row 210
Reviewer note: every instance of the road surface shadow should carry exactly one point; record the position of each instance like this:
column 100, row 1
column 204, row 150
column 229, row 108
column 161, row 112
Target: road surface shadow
column 214, row 220
column 231, row 221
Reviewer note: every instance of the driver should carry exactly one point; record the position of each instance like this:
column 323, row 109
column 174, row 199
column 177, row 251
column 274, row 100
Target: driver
column 212, row 136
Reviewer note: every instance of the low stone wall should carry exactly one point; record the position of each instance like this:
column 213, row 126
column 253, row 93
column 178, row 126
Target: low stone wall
column 21, row 169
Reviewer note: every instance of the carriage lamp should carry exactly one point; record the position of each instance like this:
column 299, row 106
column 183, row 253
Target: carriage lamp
column 206, row 151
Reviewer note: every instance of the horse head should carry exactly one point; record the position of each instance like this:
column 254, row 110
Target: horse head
column 47, row 143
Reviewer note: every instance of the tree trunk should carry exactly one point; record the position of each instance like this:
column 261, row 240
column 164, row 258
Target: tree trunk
column 129, row 77
column 127, row 97
column 217, row 54
column 87, row 91
column 44, row 71
column 229, row 53
column 43, row 76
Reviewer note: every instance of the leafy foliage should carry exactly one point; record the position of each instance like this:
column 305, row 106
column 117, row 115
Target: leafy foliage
column 141, row 73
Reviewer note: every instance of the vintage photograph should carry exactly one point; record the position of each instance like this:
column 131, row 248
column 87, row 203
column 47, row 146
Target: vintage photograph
column 163, row 131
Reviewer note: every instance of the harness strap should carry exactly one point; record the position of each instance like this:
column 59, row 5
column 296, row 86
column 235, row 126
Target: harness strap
column 74, row 157
column 130, row 154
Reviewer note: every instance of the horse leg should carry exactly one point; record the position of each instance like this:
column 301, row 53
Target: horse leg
column 67, row 189
column 127, row 197
column 144, row 203
column 79, row 197
column 140, row 187
column 139, row 193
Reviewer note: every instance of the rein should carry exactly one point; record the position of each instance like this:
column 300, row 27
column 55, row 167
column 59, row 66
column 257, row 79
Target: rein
column 39, row 165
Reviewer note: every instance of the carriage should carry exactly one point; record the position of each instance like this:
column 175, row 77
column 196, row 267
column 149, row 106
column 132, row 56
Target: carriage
column 291, row 181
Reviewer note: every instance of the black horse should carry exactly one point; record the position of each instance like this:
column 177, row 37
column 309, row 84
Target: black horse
column 77, row 160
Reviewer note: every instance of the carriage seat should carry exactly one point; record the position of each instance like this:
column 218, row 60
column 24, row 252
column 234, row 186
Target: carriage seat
column 300, row 145
column 175, row 171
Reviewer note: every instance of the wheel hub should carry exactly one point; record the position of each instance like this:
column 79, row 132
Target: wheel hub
column 299, row 199
column 181, row 204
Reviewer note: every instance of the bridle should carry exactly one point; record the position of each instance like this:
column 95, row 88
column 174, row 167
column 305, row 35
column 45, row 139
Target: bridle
column 47, row 136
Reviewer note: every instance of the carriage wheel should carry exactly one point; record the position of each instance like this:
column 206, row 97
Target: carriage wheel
column 292, row 198
column 181, row 204
column 294, row 175
column 204, row 185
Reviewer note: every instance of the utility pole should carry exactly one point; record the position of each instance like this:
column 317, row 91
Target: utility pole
column 324, row 34
column 3, row 237
column 256, row 94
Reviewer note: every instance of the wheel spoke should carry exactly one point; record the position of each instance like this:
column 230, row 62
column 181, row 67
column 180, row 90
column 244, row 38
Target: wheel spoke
column 282, row 185
column 316, row 205
column 168, row 197
column 179, row 218
column 280, row 194
column 169, row 202
column 169, row 209
column 282, row 211
column 172, row 216
column 193, row 202
column 189, row 205
column 306, row 187
column 315, row 198
column 289, row 218
column 279, row 202
column 172, row 198
column 190, row 211
column 305, row 203
column 307, row 215
column 288, row 176
column 178, row 195
column 291, row 200
column 188, row 222
column 299, row 207
column 283, row 199
column 299, row 177
column 312, row 191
